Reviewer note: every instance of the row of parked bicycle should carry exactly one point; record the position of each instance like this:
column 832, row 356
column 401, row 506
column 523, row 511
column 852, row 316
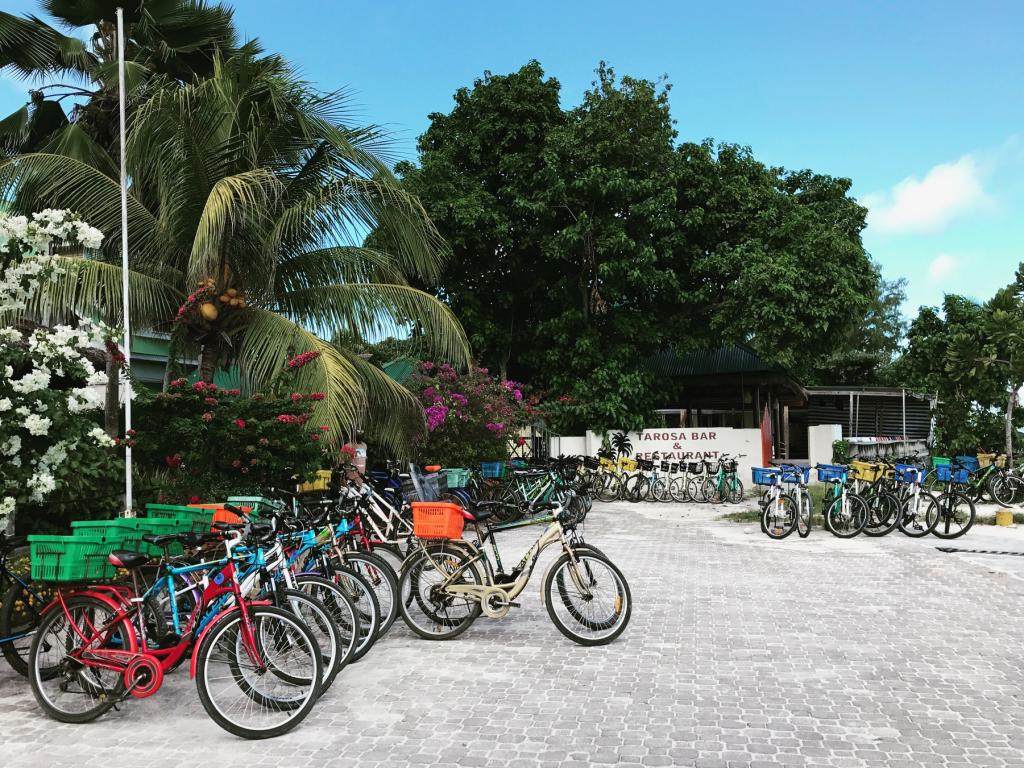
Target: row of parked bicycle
column 268, row 598
column 876, row 498
column 635, row 480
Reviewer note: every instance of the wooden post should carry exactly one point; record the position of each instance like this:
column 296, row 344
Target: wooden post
column 785, row 431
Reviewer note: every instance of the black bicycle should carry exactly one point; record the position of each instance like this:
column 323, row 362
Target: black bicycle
column 21, row 602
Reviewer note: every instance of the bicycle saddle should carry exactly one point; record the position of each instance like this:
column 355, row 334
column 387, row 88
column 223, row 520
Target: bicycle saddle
column 124, row 558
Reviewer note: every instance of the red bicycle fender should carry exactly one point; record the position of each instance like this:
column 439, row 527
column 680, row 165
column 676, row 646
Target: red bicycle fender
column 216, row 620
column 114, row 605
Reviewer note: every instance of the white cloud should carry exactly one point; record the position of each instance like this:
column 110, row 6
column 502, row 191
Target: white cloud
column 941, row 267
column 948, row 190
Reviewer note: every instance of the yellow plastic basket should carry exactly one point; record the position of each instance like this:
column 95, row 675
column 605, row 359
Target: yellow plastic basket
column 321, row 483
column 607, row 463
column 862, row 470
column 987, row 459
column 627, row 465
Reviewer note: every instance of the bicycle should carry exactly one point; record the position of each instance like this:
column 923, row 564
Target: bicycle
column 446, row 588
column 21, row 602
column 956, row 511
column 250, row 659
column 723, row 484
column 845, row 513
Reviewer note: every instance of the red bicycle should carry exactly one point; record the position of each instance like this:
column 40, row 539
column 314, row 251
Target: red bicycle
column 257, row 668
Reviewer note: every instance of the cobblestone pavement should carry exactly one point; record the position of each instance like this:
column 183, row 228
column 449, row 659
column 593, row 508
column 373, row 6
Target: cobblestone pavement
column 741, row 652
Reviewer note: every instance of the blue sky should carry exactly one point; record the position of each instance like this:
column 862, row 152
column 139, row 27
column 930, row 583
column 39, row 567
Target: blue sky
column 920, row 103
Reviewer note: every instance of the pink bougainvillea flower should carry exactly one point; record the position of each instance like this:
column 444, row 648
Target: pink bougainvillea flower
column 233, row 392
column 178, row 383
column 240, row 423
column 208, row 417
column 210, row 400
column 173, row 461
column 193, row 499
column 315, row 437
column 236, row 463
column 517, row 395
column 521, row 440
column 348, row 450
column 460, row 398
column 325, row 428
column 315, row 396
column 296, row 397
column 426, row 365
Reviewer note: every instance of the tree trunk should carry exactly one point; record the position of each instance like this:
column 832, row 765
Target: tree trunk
column 1011, row 401
column 112, row 406
column 206, row 363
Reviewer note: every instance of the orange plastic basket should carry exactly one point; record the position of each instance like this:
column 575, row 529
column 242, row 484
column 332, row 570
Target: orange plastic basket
column 221, row 515
column 437, row 520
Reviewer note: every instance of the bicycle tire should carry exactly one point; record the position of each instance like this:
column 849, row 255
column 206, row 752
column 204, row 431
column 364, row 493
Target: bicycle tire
column 851, row 522
column 779, row 517
column 433, row 606
column 20, row 614
column 804, row 515
column 620, row 608
column 922, row 520
column 298, row 632
column 942, row 528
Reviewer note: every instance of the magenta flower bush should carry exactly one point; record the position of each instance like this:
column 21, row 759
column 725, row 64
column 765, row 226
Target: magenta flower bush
column 470, row 416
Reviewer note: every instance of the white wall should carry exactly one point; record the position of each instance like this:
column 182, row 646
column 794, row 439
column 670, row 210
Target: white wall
column 819, row 444
column 570, row 446
column 689, row 444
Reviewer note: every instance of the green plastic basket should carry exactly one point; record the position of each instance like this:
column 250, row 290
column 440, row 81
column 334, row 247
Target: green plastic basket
column 127, row 532
column 123, row 533
column 458, row 477
column 258, row 505
column 190, row 518
column 941, row 461
column 71, row 558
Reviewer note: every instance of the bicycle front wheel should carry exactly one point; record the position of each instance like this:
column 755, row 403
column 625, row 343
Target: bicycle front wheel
column 846, row 516
column 20, row 614
column 956, row 516
column 277, row 666
column 587, row 597
column 779, row 517
column 919, row 515
column 803, row 516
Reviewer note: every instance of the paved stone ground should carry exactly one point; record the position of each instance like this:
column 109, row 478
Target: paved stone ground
column 741, row 652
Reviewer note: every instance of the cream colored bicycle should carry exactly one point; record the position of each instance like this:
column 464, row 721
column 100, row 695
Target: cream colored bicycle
column 449, row 582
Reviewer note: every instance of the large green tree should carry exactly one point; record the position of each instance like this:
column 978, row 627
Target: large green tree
column 249, row 200
column 586, row 239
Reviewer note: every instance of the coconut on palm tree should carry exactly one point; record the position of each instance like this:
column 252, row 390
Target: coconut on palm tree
column 249, row 202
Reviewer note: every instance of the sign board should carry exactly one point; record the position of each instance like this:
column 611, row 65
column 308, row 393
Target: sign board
column 693, row 444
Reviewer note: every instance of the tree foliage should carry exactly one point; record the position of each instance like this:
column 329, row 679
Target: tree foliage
column 584, row 240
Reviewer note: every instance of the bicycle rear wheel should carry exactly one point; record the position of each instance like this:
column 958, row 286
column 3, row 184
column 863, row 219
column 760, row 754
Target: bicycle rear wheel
column 804, row 515
column 428, row 609
column 314, row 614
column 67, row 689
column 338, row 604
column 384, row 581
column 281, row 662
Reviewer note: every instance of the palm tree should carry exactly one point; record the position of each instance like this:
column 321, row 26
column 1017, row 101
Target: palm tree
column 175, row 39
column 252, row 197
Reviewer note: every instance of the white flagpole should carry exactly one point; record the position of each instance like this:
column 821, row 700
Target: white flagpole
column 124, row 269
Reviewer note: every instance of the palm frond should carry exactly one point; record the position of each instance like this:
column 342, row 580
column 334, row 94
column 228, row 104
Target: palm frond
column 92, row 289
column 243, row 198
column 373, row 310
column 271, row 340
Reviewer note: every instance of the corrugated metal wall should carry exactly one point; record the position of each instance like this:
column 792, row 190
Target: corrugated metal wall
column 878, row 416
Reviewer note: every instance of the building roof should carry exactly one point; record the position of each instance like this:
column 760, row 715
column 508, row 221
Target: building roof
column 401, row 369
column 737, row 358
column 843, row 390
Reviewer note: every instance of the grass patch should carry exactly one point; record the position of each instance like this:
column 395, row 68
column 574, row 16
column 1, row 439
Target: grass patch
column 746, row 516
column 1018, row 519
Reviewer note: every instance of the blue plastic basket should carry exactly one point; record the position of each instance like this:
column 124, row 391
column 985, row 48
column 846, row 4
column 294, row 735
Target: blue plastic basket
column 944, row 472
column 796, row 474
column 829, row 472
column 970, row 463
column 909, row 473
column 492, row 469
column 765, row 475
